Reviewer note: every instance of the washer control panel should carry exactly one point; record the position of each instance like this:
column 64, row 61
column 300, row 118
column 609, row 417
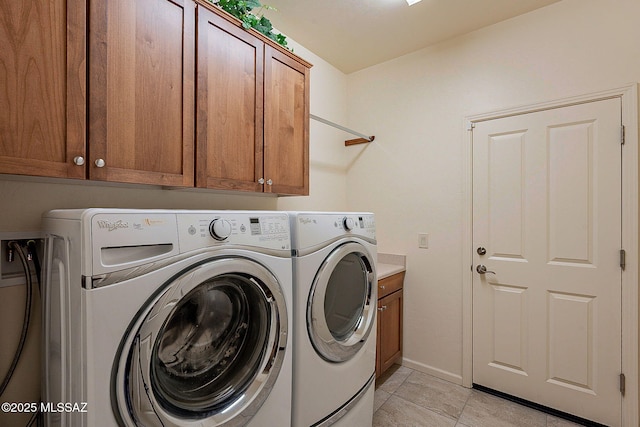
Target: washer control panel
column 257, row 229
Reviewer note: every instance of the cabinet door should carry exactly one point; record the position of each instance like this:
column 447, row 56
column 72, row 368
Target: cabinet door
column 286, row 138
column 390, row 321
column 230, row 105
column 42, row 87
column 141, row 100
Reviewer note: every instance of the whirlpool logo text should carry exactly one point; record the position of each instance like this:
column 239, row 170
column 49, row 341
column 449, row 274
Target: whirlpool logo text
column 112, row 225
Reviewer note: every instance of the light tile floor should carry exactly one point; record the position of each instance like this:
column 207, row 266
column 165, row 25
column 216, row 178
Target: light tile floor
column 408, row 398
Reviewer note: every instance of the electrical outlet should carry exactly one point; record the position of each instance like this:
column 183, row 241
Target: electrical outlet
column 423, row 240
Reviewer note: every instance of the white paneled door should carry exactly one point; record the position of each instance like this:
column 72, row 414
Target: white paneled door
column 547, row 228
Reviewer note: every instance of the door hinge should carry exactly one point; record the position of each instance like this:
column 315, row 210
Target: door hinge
column 622, row 135
column 623, row 259
column 623, row 384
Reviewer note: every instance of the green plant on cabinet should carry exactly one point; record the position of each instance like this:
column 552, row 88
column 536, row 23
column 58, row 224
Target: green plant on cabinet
column 242, row 9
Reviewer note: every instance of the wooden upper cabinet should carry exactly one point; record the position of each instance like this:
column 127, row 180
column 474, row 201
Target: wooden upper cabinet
column 42, row 87
column 230, row 105
column 141, row 100
column 286, row 130
column 141, row 121
column 253, row 110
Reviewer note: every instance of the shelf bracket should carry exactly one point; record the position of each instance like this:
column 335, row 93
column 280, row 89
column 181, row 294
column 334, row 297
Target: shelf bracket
column 357, row 141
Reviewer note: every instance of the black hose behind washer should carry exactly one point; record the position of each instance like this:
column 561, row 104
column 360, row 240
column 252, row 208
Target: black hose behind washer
column 27, row 316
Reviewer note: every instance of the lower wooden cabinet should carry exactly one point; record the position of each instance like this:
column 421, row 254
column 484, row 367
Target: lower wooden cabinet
column 389, row 343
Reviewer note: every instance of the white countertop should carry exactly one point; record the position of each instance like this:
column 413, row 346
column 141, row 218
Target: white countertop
column 386, row 270
column 390, row 264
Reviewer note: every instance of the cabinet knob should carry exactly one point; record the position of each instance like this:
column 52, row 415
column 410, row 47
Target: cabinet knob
column 383, row 308
column 261, row 181
column 78, row 160
column 382, row 287
column 269, row 182
column 100, row 163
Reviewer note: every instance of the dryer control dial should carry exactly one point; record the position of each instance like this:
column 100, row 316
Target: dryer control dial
column 348, row 223
column 220, row 229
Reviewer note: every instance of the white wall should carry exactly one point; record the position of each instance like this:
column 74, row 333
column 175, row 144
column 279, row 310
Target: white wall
column 411, row 175
column 24, row 200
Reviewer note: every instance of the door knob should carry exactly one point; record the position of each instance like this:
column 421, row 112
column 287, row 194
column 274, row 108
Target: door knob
column 481, row 251
column 481, row 269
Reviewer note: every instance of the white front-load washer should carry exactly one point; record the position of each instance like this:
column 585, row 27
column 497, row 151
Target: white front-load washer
column 335, row 289
column 167, row 318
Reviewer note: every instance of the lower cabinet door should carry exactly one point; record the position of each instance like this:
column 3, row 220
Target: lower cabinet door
column 389, row 331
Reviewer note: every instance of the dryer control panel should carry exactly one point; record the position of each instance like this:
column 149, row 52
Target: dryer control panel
column 312, row 228
column 269, row 230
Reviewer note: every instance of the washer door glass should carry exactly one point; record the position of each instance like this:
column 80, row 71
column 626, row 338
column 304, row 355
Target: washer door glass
column 207, row 352
column 209, row 347
column 340, row 312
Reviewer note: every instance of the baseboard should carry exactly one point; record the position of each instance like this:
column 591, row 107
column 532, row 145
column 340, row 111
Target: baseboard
column 438, row 373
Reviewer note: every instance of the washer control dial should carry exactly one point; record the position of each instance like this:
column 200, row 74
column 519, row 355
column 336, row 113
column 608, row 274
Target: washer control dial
column 220, row 229
column 348, row 223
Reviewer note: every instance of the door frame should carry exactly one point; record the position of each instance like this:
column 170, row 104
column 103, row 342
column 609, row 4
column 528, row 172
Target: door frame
column 630, row 228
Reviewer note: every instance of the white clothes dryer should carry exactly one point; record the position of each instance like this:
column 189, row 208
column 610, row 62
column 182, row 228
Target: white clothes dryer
column 335, row 288
column 168, row 318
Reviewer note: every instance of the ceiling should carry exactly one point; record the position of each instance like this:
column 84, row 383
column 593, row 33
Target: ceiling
column 355, row 34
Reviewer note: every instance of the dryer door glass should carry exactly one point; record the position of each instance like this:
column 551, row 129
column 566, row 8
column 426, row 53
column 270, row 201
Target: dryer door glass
column 209, row 346
column 345, row 296
column 341, row 313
